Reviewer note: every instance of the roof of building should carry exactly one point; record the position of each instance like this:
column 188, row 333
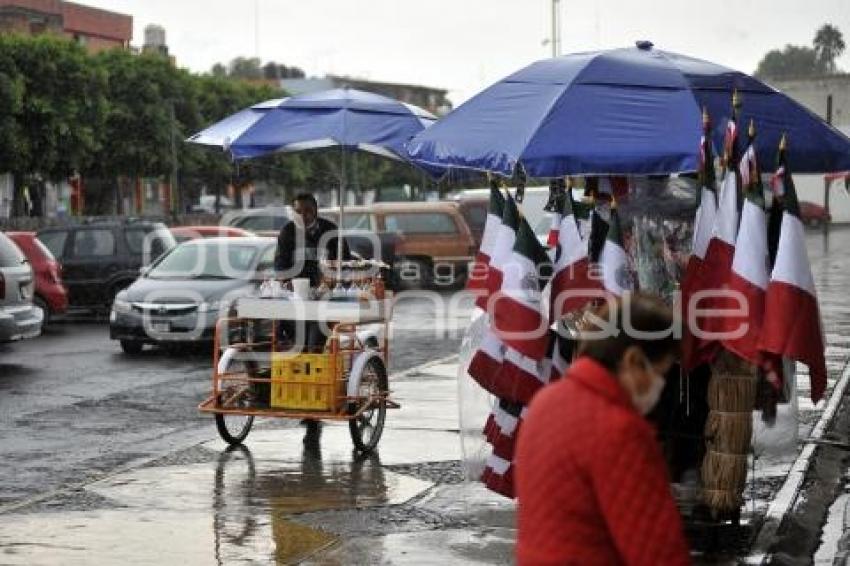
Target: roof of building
column 78, row 18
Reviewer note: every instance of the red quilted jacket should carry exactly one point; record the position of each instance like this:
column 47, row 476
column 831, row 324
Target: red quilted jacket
column 591, row 481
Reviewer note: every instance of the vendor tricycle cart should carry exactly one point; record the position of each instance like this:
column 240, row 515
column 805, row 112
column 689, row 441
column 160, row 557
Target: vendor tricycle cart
column 257, row 375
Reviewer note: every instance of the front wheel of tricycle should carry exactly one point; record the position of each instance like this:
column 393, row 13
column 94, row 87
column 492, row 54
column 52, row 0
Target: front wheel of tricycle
column 366, row 428
column 233, row 429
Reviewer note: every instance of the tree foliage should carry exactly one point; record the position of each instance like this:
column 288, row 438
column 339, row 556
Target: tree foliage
column 829, row 45
column 116, row 116
column 252, row 68
column 801, row 62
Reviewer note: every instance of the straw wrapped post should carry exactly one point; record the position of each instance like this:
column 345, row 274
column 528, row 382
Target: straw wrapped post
column 728, row 431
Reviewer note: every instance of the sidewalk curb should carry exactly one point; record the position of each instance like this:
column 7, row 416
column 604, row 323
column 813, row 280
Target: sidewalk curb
column 786, row 497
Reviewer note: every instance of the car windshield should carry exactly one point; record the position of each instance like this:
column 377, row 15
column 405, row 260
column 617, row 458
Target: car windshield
column 353, row 220
column 10, row 254
column 261, row 222
column 203, row 260
column 151, row 242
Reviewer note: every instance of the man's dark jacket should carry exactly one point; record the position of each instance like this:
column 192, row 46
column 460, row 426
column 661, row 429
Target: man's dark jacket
column 290, row 262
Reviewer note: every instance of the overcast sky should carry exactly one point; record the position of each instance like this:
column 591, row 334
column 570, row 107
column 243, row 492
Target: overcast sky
column 466, row 45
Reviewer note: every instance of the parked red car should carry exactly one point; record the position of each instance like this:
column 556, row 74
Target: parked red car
column 183, row 233
column 50, row 293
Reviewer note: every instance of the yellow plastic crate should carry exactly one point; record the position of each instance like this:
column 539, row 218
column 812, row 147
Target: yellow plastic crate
column 311, row 382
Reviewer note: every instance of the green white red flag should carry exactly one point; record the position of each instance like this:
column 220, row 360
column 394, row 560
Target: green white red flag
column 518, row 312
column 704, row 221
column 573, row 281
column 792, row 323
column 750, row 273
column 717, row 263
column 613, row 260
column 479, row 274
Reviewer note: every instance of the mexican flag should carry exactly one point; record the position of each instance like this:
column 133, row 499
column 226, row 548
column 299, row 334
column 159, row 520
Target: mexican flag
column 555, row 206
column 721, row 248
column 613, row 261
column 486, row 364
column 502, row 250
column 517, row 312
column 750, row 272
column 571, row 272
column 478, row 275
column 692, row 280
column 792, row 324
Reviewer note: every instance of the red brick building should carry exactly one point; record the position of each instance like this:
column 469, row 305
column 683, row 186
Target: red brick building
column 94, row 28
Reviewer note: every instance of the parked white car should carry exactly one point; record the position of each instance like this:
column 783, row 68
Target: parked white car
column 19, row 319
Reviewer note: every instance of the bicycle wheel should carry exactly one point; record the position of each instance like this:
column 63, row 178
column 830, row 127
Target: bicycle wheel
column 367, row 428
column 233, row 429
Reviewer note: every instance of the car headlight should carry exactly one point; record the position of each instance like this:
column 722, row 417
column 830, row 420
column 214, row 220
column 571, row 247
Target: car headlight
column 121, row 306
column 210, row 306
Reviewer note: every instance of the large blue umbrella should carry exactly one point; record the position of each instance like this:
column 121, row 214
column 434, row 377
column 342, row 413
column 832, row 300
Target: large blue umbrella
column 346, row 118
column 624, row 111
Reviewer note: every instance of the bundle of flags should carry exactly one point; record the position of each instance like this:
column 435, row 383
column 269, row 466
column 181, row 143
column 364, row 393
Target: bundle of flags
column 513, row 361
column 767, row 308
column 519, row 352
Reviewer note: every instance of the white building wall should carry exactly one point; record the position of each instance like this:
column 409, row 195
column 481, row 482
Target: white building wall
column 813, row 94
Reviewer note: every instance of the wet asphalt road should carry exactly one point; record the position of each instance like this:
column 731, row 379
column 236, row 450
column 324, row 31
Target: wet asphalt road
column 74, row 408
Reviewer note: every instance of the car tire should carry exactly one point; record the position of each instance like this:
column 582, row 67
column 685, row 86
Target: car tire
column 42, row 304
column 132, row 347
column 413, row 274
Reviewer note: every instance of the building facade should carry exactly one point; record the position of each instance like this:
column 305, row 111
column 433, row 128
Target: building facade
column 93, row 28
column 432, row 99
column 816, row 94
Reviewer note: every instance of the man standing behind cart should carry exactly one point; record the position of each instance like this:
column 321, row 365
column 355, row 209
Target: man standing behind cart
column 301, row 244
column 306, row 240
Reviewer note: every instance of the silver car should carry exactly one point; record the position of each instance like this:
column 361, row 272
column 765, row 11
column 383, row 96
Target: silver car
column 18, row 317
column 181, row 295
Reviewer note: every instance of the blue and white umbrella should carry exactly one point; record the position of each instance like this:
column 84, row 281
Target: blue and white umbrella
column 346, row 118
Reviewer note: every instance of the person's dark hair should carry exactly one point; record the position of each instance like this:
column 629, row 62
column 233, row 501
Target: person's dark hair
column 306, row 197
column 647, row 313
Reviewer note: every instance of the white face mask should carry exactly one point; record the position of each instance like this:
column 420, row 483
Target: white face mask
column 645, row 402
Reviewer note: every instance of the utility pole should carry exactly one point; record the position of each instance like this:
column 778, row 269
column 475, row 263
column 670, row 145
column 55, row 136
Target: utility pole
column 825, row 182
column 172, row 196
column 257, row 29
column 556, row 28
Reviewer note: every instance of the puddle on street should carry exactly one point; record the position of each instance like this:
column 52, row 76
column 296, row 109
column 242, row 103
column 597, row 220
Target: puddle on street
column 238, row 508
column 453, row 546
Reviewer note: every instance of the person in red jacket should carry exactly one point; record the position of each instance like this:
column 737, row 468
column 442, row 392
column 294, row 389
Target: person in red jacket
column 592, row 483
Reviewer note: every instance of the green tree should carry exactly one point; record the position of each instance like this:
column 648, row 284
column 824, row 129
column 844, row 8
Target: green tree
column 246, row 68
column 829, row 45
column 58, row 105
column 792, row 62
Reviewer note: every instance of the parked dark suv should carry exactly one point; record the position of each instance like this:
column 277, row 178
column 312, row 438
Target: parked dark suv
column 101, row 258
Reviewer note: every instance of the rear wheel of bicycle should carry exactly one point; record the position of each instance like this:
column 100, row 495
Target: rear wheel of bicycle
column 366, row 429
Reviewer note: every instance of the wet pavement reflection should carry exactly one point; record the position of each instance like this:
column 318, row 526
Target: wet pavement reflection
column 250, row 504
